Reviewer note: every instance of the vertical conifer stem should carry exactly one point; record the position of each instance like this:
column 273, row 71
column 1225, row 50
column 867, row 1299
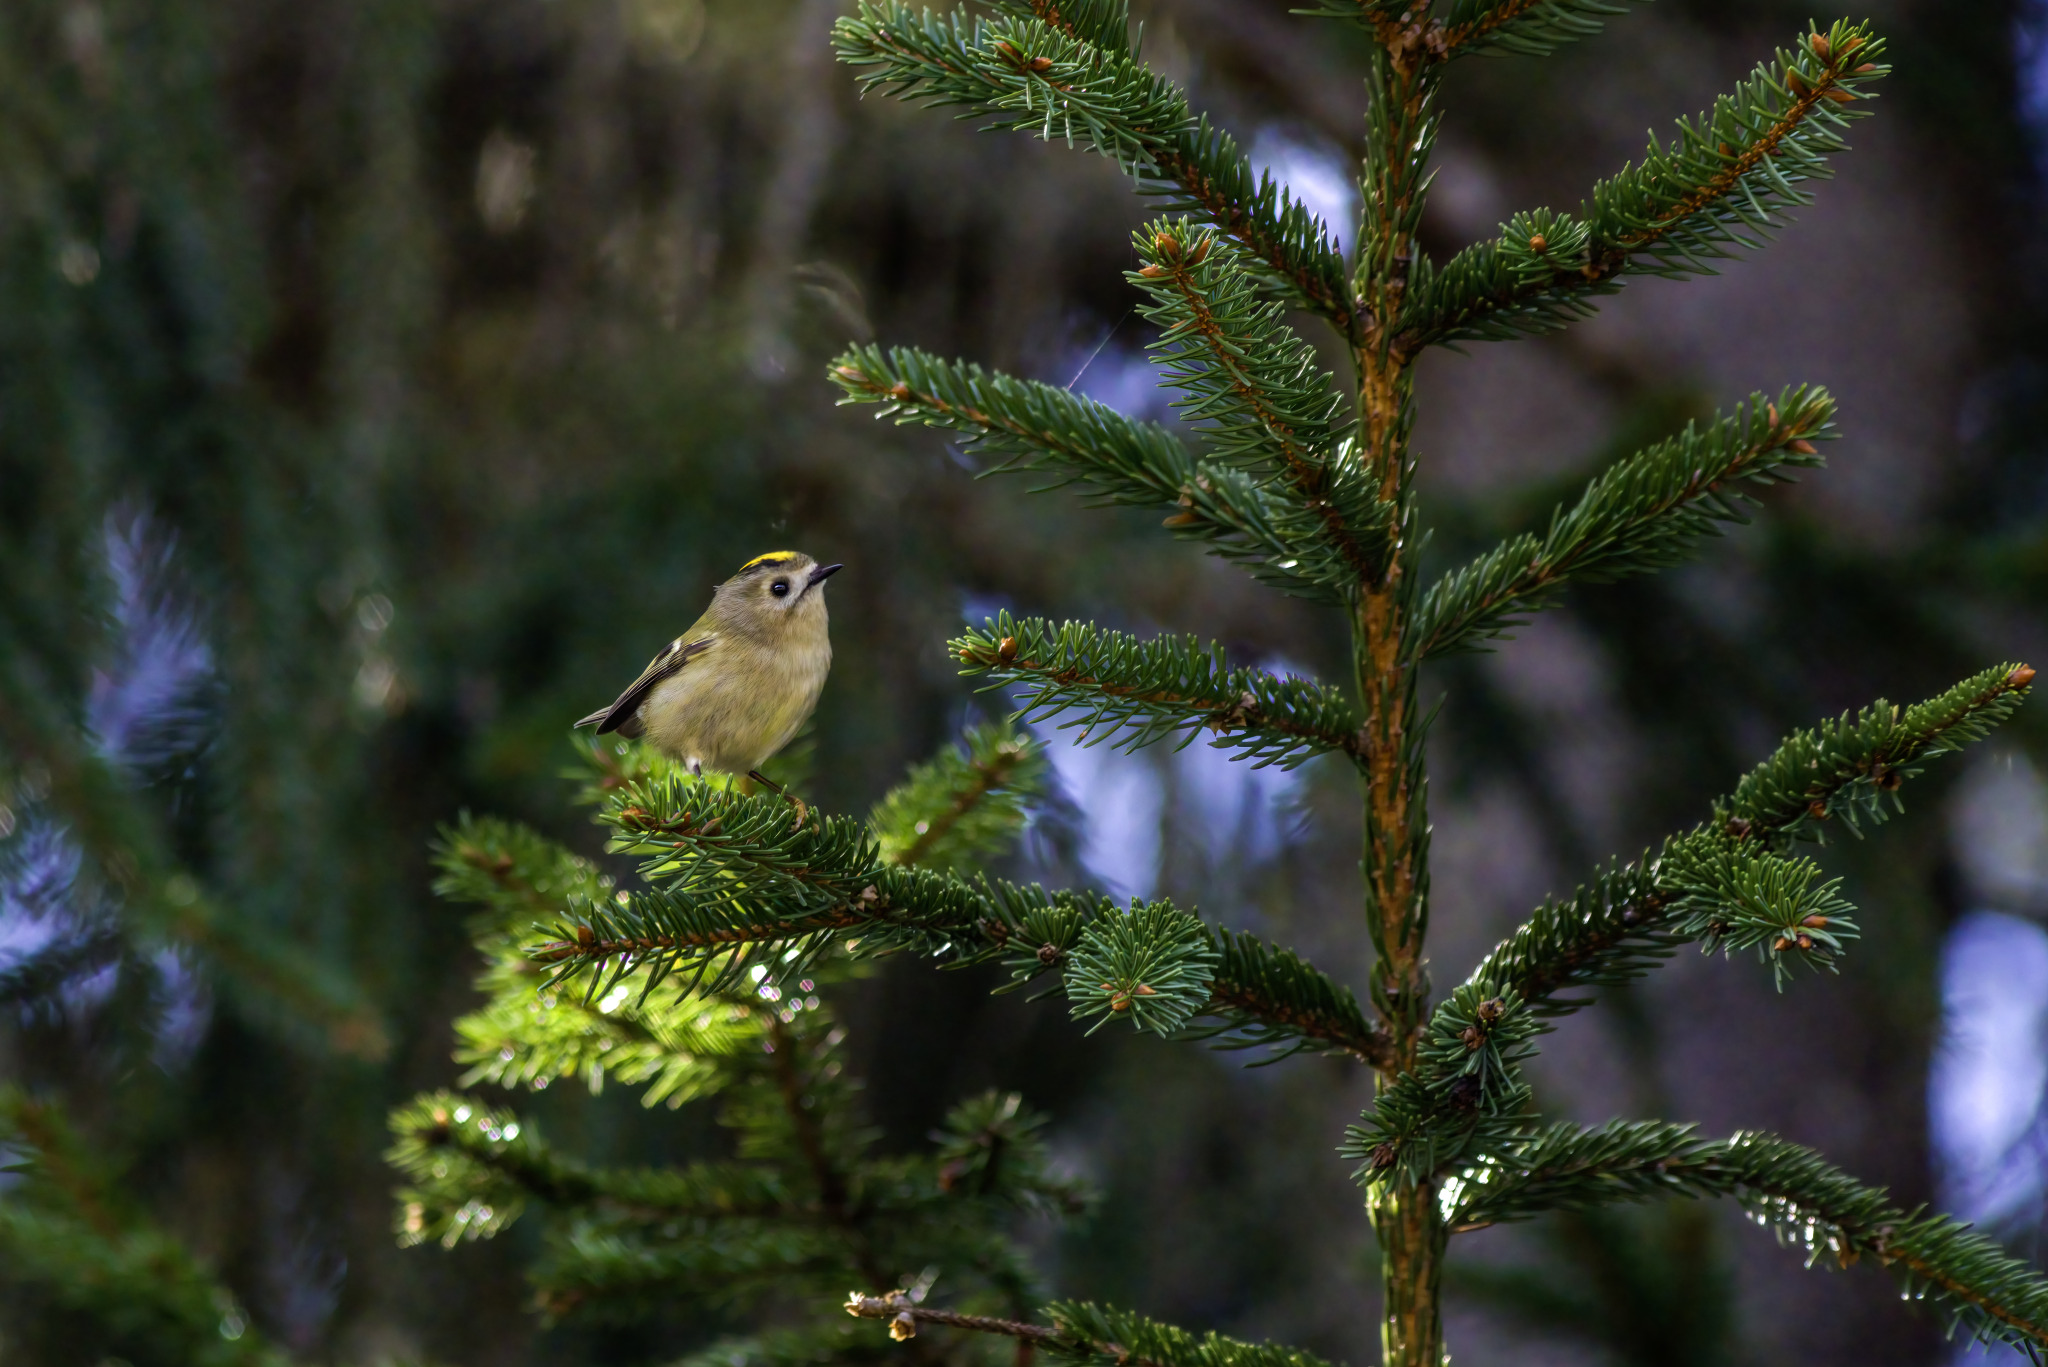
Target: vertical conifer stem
column 1405, row 1220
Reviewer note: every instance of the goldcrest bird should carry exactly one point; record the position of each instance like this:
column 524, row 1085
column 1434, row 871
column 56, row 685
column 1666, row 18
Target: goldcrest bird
column 733, row 689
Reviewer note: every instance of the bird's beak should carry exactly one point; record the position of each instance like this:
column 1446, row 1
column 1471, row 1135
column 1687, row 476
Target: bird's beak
column 822, row 573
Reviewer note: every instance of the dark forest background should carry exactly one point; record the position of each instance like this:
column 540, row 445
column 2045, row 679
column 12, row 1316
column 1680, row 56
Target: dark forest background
column 382, row 381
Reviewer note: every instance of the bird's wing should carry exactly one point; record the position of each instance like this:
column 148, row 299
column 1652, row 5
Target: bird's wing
column 622, row 712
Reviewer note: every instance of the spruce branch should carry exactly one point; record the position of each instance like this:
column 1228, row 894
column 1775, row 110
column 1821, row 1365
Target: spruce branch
column 825, row 1205
column 1722, row 884
column 1631, row 917
column 1046, row 77
column 1791, row 1189
column 1567, row 1167
column 671, row 1040
column 1114, row 460
column 1084, row 1333
column 963, row 803
column 1647, row 513
column 1137, row 692
column 1465, row 1096
column 1723, row 181
column 774, row 898
column 1853, row 767
column 1265, row 996
column 69, row 1240
column 1151, row 966
column 527, row 1034
column 472, row 1168
column 1523, row 28
column 468, row 1186
column 1254, row 386
column 1105, row 24
column 1409, row 38
column 519, row 875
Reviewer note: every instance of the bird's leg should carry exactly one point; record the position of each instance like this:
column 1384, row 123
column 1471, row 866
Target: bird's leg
column 787, row 796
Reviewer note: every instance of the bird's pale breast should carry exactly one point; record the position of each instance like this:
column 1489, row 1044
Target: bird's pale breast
column 735, row 716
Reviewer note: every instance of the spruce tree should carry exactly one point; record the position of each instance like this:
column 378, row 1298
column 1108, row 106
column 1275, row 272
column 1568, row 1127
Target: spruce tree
column 1305, row 479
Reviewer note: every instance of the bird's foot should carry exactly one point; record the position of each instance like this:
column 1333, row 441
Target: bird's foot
column 802, row 811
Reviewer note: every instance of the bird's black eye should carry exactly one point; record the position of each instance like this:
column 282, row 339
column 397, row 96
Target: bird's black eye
column 780, row 588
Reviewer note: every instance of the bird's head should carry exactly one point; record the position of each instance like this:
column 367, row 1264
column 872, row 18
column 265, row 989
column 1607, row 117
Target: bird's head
column 776, row 590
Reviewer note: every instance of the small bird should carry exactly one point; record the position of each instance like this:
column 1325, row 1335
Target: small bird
column 733, row 689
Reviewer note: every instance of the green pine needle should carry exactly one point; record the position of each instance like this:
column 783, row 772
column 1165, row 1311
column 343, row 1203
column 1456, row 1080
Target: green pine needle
column 1647, row 513
column 745, row 894
column 1852, row 767
column 1808, row 1202
column 668, row 1041
column 1722, row 885
column 1048, row 78
column 1254, row 387
column 1723, row 181
column 1630, row 917
column 963, row 805
column 1522, row 28
column 1139, row 692
column 1112, row 460
column 1151, row 966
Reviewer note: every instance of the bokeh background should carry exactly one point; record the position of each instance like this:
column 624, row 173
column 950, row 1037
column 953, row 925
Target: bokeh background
column 382, row 381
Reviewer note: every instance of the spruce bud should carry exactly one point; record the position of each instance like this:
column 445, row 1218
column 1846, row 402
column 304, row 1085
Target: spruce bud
column 900, row 392
column 1803, row 447
column 1006, row 652
column 2021, row 676
column 1819, row 44
column 1538, row 243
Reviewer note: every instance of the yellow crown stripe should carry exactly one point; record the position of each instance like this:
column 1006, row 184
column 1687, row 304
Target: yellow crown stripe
column 772, row 558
